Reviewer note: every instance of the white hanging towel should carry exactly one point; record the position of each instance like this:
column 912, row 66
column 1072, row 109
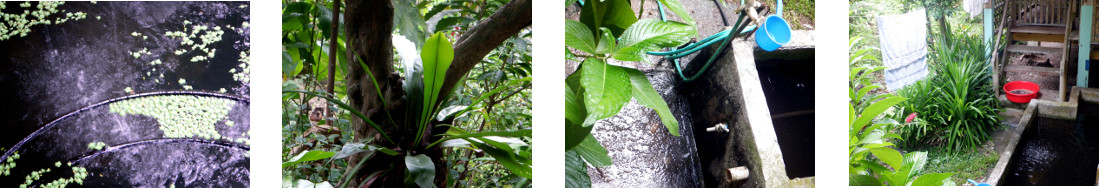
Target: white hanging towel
column 903, row 48
column 974, row 7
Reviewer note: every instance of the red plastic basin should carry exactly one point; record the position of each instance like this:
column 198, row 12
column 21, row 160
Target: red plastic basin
column 1017, row 85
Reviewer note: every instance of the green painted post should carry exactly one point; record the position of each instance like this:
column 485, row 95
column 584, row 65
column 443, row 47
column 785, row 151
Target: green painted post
column 1086, row 12
column 988, row 35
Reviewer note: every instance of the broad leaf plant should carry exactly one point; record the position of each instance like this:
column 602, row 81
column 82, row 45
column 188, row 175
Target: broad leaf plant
column 609, row 29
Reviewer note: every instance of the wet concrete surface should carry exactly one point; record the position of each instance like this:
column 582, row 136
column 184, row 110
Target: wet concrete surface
column 57, row 69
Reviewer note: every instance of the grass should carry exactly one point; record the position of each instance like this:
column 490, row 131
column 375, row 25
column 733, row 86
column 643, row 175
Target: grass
column 797, row 12
column 965, row 165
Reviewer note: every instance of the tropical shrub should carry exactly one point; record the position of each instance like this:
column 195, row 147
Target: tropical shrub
column 868, row 137
column 956, row 101
column 598, row 90
column 476, row 134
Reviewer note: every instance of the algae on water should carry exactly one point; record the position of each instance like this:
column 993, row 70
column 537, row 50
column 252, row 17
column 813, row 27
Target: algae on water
column 180, row 116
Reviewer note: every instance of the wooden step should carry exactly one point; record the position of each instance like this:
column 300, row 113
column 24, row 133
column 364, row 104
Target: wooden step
column 1052, row 30
column 1038, row 33
column 1033, row 49
column 1075, row 36
column 1023, row 68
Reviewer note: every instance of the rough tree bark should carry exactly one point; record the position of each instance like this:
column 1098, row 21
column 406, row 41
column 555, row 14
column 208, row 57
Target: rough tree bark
column 369, row 27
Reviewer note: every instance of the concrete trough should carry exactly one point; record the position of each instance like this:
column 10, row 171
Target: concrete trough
column 1029, row 122
column 735, row 91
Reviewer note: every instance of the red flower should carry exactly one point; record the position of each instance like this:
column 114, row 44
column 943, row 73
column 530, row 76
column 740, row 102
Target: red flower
column 910, row 118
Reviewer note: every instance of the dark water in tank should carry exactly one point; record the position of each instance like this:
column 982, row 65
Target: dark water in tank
column 58, row 69
column 1058, row 152
column 790, row 98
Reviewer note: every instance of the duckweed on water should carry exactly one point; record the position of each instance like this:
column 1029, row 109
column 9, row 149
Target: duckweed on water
column 97, row 145
column 79, row 174
column 19, row 24
column 180, row 116
column 208, row 37
column 9, row 164
column 242, row 75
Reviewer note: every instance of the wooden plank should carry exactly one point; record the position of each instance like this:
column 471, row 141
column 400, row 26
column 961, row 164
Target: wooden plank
column 1038, row 37
column 1033, row 49
column 1094, row 54
column 1041, row 70
column 1038, row 29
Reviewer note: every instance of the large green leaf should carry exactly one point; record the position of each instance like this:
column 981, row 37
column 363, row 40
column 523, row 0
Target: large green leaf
column 409, row 21
column 575, row 134
column 678, row 9
column 933, row 179
column 437, row 55
column 505, row 155
column 863, row 180
column 576, row 172
column 606, row 42
column 888, row 155
column 421, row 170
column 458, row 133
column 645, row 94
column 579, row 37
column 876, row 109
column 324, row 19
column 606, row 89
column 294, row 15
column 311, row 155
column 287, row 65
column 413, row 83
column 615, row 15
column 574, row 101
column 651, row 34
column 914, row 163
column 593, row 152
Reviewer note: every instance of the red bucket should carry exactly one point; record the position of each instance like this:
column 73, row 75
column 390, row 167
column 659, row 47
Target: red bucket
column 1021, row 91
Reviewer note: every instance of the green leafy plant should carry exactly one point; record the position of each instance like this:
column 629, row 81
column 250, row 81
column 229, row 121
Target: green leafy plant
column 957, row 100
column 433, row 137
column 598, row 90
column 868, row 137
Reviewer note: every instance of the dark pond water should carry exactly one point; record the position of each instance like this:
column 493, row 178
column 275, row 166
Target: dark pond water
column 58, row 69
column 1058, row 152
column 790, row 98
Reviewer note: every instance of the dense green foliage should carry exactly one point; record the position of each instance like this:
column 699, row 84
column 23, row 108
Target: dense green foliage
column 956, row 100
column 868, row 137
column 598, row 90
column 487, row 116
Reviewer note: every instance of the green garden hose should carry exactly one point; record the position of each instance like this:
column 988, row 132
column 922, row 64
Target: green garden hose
column 723, row 36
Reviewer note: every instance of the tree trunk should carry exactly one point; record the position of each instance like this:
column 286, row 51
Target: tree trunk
column 369, row 26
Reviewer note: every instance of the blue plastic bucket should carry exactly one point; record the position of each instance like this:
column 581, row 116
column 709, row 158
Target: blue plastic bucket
column 774, row 33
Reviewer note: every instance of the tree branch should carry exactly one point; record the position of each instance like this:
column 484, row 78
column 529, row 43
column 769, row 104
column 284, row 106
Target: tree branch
column 483, row 38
